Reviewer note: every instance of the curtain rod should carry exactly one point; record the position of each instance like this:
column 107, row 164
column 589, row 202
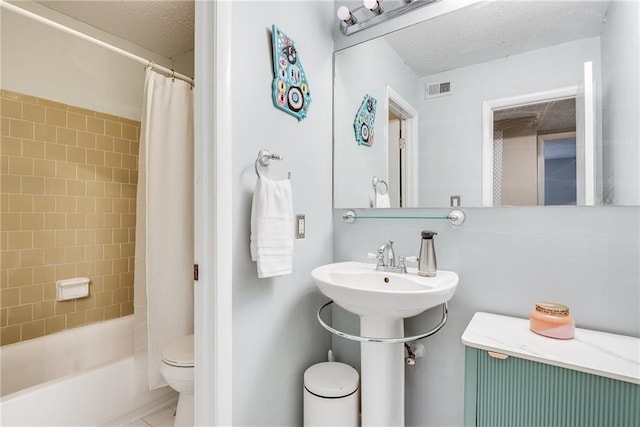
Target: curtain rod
column 168, row 71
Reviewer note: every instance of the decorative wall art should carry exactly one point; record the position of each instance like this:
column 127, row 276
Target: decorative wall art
column 365, row 121
column 290, row 86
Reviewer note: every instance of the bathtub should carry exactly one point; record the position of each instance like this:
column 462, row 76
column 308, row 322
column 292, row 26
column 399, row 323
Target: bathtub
column 78, row 377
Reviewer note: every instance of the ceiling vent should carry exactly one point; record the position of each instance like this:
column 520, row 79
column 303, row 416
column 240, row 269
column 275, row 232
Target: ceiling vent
column 437, row 89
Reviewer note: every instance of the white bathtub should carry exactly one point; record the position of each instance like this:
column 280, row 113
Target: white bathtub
column 79, row 377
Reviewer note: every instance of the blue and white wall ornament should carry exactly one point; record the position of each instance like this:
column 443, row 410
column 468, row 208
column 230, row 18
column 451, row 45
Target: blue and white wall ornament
column 365, row 121
column 290, row 86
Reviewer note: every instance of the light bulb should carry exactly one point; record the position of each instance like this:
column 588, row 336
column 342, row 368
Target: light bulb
column 371, row 4
column 343, row 13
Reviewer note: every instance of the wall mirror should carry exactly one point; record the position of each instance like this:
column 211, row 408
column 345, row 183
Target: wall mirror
column 498, row 103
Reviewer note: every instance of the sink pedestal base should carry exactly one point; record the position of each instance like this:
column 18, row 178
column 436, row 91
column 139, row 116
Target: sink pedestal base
column 382, row 373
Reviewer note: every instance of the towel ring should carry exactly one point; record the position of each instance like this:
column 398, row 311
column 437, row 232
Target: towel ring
column 264, row 158
column 376, row 181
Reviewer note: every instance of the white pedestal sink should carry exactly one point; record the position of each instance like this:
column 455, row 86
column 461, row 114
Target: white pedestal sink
column 382, row 300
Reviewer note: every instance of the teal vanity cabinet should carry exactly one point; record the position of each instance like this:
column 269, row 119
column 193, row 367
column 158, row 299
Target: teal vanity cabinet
column 514, row 377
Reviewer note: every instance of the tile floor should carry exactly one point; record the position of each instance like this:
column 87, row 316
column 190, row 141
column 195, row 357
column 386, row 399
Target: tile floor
column 161, row 418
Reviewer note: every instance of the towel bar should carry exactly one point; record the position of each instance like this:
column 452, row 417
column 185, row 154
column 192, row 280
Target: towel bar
column 455, row 217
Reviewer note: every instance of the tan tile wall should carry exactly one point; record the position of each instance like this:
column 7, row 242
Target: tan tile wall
column 68, row 187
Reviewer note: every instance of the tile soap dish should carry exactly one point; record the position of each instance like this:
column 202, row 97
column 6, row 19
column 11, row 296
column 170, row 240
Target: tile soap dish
column 72, row 288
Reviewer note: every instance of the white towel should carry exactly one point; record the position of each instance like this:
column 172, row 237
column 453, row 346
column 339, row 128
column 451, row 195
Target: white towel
column 272, row 227
column 382, row 200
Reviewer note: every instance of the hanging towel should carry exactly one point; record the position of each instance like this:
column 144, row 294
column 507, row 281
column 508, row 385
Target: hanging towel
column 382, row 200
column 272, row 227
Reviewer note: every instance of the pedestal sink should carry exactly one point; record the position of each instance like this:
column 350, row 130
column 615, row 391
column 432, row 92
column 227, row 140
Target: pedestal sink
column 382, row 300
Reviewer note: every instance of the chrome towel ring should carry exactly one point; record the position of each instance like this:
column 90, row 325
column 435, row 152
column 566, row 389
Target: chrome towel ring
column 377, row 185
column 264, row 158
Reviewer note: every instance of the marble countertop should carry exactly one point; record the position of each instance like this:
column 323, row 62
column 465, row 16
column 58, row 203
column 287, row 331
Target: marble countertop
column 599, row 353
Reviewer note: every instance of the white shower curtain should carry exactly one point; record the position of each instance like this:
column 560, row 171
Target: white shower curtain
column 498, row 138
column 163, row 284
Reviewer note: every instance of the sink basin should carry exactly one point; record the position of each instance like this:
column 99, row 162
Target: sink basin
column 360, row 289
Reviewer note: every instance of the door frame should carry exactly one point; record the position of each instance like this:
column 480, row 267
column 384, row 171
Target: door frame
column 213, row 315
column 395, row 103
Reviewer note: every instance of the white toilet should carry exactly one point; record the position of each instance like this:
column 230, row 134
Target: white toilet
column 177, row 369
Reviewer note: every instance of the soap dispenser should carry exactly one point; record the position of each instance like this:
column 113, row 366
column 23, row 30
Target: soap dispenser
column 427, row 265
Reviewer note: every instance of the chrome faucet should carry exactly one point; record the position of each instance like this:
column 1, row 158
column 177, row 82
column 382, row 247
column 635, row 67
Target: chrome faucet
column 387, row 259
column 385, row 251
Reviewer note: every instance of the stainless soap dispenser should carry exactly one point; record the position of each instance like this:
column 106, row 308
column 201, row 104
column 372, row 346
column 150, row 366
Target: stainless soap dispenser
column 427, row 264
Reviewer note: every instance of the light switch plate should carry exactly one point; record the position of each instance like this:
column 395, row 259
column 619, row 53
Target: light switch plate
column 300, row 226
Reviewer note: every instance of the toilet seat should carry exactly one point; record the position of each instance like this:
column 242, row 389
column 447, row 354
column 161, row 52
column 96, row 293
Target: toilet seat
column 179, row 353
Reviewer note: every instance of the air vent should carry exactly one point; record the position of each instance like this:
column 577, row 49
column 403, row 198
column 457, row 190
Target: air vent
column 437, row 89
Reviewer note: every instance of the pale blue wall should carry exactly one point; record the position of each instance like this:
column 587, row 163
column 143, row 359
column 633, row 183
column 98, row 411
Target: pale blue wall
column 507, row 259
column 621, row 129
column 275, row 333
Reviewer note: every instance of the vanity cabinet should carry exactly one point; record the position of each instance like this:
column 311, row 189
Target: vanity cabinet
column 516, row 392
column 514, row 377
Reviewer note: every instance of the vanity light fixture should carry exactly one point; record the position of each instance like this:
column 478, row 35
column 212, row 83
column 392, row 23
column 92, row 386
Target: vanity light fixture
column 372, row 13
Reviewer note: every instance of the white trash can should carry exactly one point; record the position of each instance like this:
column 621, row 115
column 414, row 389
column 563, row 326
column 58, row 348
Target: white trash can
column 331, row 395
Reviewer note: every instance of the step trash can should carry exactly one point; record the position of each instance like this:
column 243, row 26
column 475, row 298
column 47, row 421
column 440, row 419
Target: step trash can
column 331, row 395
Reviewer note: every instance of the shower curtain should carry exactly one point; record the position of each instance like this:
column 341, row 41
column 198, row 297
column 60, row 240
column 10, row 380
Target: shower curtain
column 498, row 138
column 163, row 283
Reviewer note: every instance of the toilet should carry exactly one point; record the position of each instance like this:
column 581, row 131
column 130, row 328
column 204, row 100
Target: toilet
column 177, row 370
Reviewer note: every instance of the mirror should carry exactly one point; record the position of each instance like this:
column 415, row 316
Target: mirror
column 446, row 88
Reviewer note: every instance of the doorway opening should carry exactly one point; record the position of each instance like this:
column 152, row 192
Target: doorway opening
column 557, row 169
column 401, row 132
column 534, row 154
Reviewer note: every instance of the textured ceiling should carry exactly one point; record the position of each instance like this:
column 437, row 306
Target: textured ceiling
column 164, row 27
column 494, row 29
column 478, row 33
column 549, row 116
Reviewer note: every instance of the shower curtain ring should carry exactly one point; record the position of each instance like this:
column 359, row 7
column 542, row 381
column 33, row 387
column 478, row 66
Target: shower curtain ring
column 173, row 75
